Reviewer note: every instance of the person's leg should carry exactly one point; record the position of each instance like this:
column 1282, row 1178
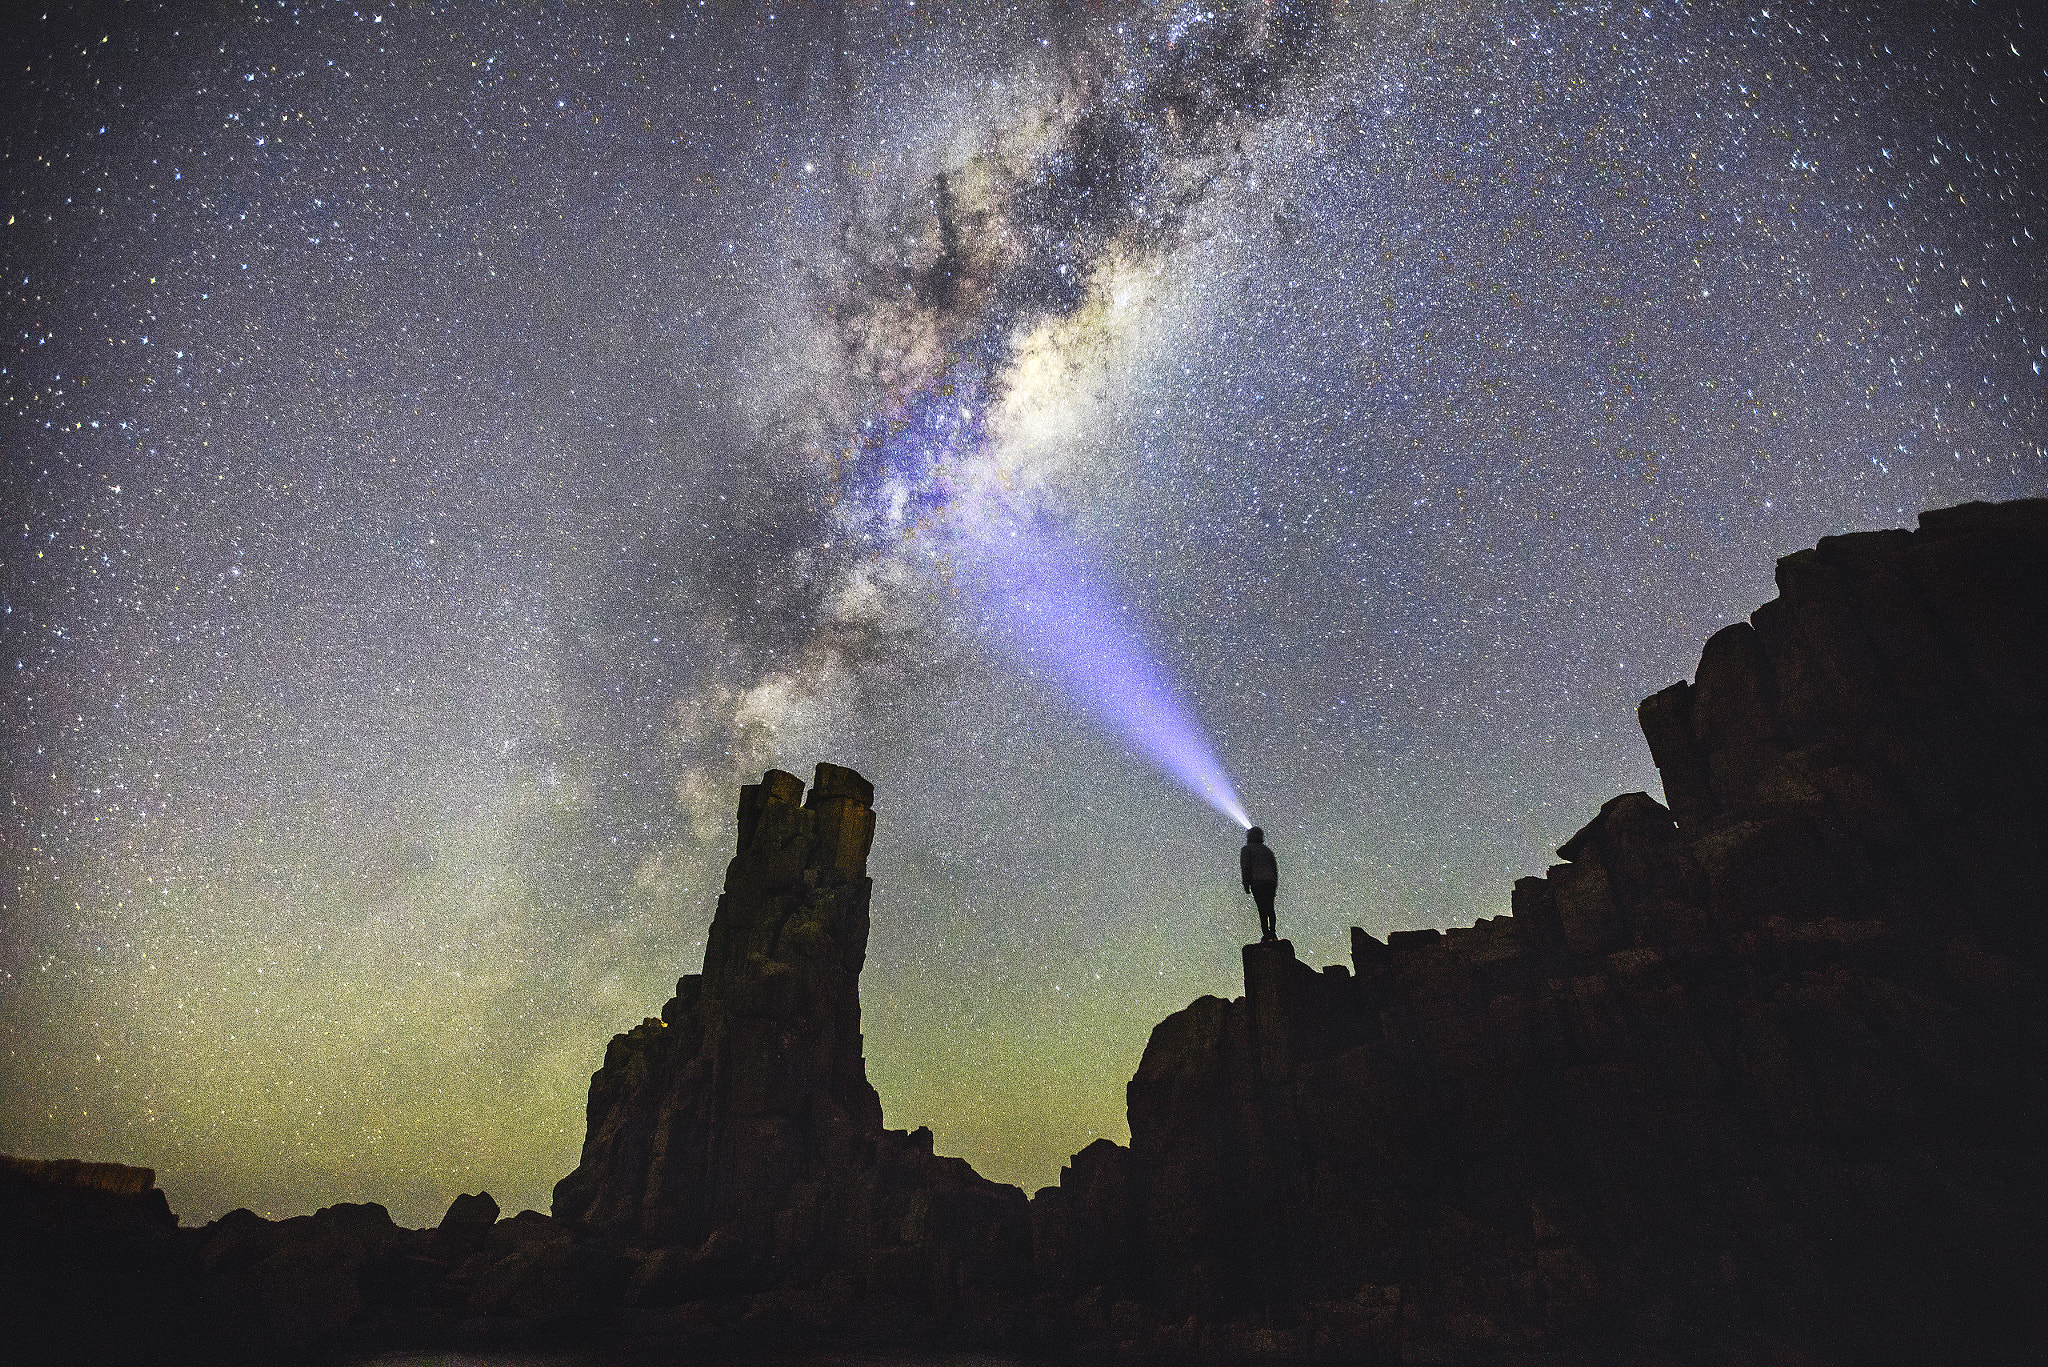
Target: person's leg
column 1262, row 893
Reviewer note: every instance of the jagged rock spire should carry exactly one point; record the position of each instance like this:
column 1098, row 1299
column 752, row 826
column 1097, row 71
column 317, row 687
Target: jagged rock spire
column 720, row 1114
column 738, row 1134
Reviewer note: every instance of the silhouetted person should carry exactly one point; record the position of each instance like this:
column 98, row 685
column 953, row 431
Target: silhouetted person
column 1261, row 876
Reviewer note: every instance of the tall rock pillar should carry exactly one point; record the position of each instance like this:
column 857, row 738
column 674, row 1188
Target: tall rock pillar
column 732, row 1110
column 736, row 1138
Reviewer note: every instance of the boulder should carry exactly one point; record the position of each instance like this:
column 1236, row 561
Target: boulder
column 471, row 1211
column 463, row 1229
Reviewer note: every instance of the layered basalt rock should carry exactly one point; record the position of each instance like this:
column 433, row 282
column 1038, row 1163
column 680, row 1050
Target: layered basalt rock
column 720, row 1114
column 738, row 1133
column 1760, row 1080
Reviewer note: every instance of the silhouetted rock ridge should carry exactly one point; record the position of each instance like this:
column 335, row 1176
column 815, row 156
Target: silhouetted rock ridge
column 1759, row 1082
column 1753, row 1079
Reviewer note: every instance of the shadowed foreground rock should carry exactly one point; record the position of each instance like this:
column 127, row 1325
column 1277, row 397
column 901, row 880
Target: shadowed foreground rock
column 1757, row 1079
column 79, row 1238
column 1762, row 1082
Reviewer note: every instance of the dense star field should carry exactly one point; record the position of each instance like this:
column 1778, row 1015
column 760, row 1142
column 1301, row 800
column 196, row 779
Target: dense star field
column 454, row 447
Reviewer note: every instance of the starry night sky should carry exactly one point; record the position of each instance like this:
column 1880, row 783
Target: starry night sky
column 454, row 447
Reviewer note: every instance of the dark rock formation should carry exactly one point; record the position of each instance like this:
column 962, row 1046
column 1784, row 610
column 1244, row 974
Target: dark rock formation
column 738, row 1138
column 347, row 1278
column 720, row 1115
column 91, row 1269
column 1756, row 1079
column 1760, row 1082
column 466, row 1226
column 302, row 1280
column 471, row 1212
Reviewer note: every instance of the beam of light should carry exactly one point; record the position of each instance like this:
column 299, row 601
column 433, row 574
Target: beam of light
column 945, row 489
column 1065, row 625
column 966, row 311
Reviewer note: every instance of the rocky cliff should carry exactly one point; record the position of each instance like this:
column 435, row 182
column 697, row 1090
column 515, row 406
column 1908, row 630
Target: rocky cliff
column 1753, row 1079
column 1759, row 1078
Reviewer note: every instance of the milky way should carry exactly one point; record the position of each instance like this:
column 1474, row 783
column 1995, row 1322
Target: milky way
column 453, row 448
